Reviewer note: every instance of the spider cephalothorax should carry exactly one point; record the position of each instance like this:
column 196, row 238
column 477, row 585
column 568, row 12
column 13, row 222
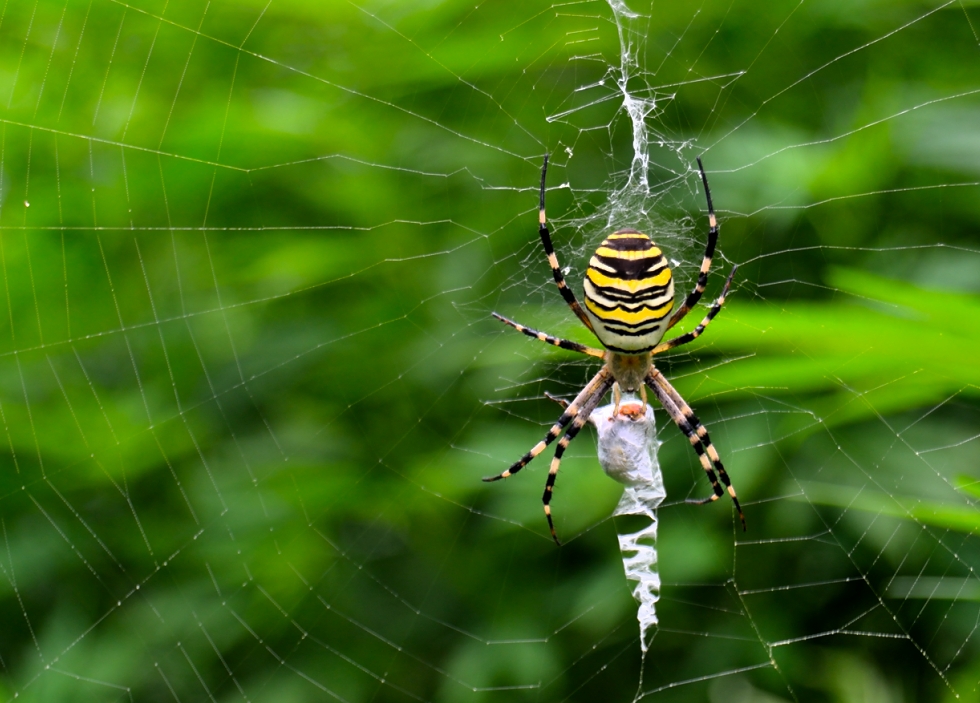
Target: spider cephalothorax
column 629, row 296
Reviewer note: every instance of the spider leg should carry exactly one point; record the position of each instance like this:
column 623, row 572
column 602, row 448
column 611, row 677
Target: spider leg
column 561, row 401
column 709, row 252
column 563, row 343
column 549, row 251
column 696, row 332
column 591, row 393
column 685, row 419
column 577, row 424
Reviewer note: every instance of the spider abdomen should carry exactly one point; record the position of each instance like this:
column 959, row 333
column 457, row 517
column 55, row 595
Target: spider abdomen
column 629, row 292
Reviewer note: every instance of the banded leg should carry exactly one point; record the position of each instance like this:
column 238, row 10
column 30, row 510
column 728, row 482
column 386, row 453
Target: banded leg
column 709, row 252
column 697, row 434
column 592, row 392
column 563, row 343
column 696, row 332
column 549, row 251
column 577, row 424
column 702, row 433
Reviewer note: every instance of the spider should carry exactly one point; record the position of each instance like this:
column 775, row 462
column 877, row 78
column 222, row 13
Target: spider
column 629, row 295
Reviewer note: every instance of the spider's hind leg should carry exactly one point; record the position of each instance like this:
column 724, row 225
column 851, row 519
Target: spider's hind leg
column 709, row 252
column 549, row 251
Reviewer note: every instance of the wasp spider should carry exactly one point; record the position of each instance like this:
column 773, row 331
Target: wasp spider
column 629, row 296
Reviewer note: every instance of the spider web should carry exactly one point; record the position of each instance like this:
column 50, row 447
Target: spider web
column 250, row 380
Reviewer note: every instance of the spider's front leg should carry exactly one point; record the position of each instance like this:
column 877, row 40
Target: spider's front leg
column 697, row 434
column 596, row 387
column 588, row 407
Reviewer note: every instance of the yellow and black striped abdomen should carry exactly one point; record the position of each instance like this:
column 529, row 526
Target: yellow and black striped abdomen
column 629, row 292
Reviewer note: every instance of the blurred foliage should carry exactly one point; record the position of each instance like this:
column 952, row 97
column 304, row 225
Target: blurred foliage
column 249, row 380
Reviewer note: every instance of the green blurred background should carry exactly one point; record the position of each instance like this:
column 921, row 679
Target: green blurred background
column 249, row 380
